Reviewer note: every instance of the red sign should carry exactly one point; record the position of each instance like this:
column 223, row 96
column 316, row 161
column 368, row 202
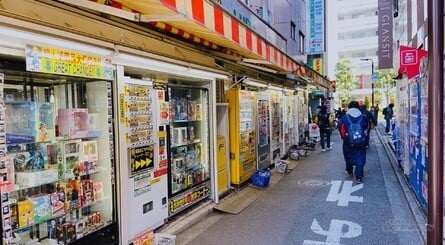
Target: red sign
column 410, row 60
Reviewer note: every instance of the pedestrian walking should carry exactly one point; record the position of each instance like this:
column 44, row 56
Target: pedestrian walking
column 353, row 127
column 323, row 123
column 388, row 112
column 376, row 110
column 371, row 122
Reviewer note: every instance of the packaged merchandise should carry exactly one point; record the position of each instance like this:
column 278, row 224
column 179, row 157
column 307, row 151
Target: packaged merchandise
column 73, row 123
column 42, row 208
column 29, row 122
column 98, row 191
column 25, row 212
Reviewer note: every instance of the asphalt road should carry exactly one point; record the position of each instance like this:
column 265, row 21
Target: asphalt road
column 318, row 203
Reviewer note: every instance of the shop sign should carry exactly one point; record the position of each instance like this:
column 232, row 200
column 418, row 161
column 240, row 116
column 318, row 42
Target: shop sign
column 141, row 159
column 65, row 62
column 316, row 26
column 180, row 202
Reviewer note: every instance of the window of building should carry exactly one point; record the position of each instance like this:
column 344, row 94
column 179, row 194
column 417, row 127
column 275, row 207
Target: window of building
column 292, row 30
column 301, row 43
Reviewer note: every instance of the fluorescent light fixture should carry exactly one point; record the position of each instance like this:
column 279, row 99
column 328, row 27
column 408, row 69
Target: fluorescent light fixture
column 104, row 9
column 254, row 61
column 258, row 67
column 288, row 90
column 156, row 65
column 256, row 84
column 275, row 88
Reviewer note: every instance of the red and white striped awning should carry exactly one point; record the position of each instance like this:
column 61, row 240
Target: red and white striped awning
column 207, row 23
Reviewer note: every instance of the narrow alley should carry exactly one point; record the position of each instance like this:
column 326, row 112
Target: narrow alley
column 319, row 203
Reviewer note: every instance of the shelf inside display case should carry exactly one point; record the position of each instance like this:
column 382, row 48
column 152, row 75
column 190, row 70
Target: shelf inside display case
column 58, row 158
column 189, row 156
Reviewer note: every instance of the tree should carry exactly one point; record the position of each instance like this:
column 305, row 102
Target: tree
column 346, row 80
column 385, row 84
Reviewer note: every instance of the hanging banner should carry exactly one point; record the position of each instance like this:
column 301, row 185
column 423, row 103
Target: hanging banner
column 65, row 62
column 385, row 26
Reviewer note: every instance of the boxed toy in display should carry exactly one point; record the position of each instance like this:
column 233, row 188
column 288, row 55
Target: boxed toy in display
column 69, row 160
column 29, row 122
column 73, row 123
column 42, row 208
column 25, row 213
column 35, row 178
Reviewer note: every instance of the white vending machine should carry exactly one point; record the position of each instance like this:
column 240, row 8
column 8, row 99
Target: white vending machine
column 143, row 115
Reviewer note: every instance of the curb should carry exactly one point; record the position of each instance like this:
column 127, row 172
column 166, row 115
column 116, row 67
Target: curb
column 193, row 216
column 413, row 204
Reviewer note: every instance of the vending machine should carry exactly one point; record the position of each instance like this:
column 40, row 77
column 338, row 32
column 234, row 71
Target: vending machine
column 243, row 142
column 143, row 116
column 276, row 123
column 189, row 148
column 263, row 135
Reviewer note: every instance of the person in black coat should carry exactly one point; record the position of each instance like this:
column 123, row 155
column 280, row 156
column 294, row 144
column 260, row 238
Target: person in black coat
column 371, row 121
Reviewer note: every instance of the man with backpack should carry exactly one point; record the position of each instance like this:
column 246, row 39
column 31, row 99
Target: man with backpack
column 353, row 130
column 325, row 128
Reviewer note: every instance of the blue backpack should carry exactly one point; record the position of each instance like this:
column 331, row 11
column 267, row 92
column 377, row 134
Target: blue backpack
column 355, row 134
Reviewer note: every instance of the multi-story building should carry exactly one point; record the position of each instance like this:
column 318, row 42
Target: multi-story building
column 351, row 30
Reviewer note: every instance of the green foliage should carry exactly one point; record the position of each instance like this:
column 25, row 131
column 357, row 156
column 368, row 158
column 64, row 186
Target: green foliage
column 367, row 102
column 345, row 79
column 385, row 84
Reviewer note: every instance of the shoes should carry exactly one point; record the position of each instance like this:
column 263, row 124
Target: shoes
column 359, row 180
column 329, row 148
column 323, row 150
column 349, row 173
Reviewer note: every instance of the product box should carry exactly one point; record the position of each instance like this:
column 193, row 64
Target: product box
column 30, row 179
column 33, row 157
column 57, row 203
column 25, row 211
column 70, row 158
column 73, row 123
column 98, row 191
column 181, row 108
column 29, row 122
column 51, row 149
column 89, row 150
column 180, row 136
column 42, row 208
column 86, row 196
column 73, row 192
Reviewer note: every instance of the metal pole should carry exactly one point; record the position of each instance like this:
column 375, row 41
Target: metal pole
column 435, row 122
column 372, row 83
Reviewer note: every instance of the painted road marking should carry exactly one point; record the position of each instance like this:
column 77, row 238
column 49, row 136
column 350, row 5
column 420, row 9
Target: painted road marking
column 338, row 229
column 343, row 196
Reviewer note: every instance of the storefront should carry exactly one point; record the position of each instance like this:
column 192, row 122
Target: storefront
column 169, row 163
column 58, row 157
column 107, row 131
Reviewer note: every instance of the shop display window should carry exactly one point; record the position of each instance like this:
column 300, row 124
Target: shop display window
column 58, row 158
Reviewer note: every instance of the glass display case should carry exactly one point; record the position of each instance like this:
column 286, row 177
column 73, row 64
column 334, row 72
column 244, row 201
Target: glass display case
column 189, row 168
column 58, row 161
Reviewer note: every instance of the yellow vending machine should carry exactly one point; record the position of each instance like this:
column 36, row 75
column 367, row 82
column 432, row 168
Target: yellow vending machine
column 242, row 117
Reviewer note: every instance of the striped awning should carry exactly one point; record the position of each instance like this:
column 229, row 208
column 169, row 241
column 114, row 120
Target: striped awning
column 209, row 24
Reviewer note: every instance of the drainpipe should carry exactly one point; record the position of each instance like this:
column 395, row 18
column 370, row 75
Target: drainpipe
column 435, row 122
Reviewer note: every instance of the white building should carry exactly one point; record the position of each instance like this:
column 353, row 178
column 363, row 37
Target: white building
column 351, row 31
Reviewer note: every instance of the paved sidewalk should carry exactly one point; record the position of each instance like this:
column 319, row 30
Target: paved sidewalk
column 283, row 214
